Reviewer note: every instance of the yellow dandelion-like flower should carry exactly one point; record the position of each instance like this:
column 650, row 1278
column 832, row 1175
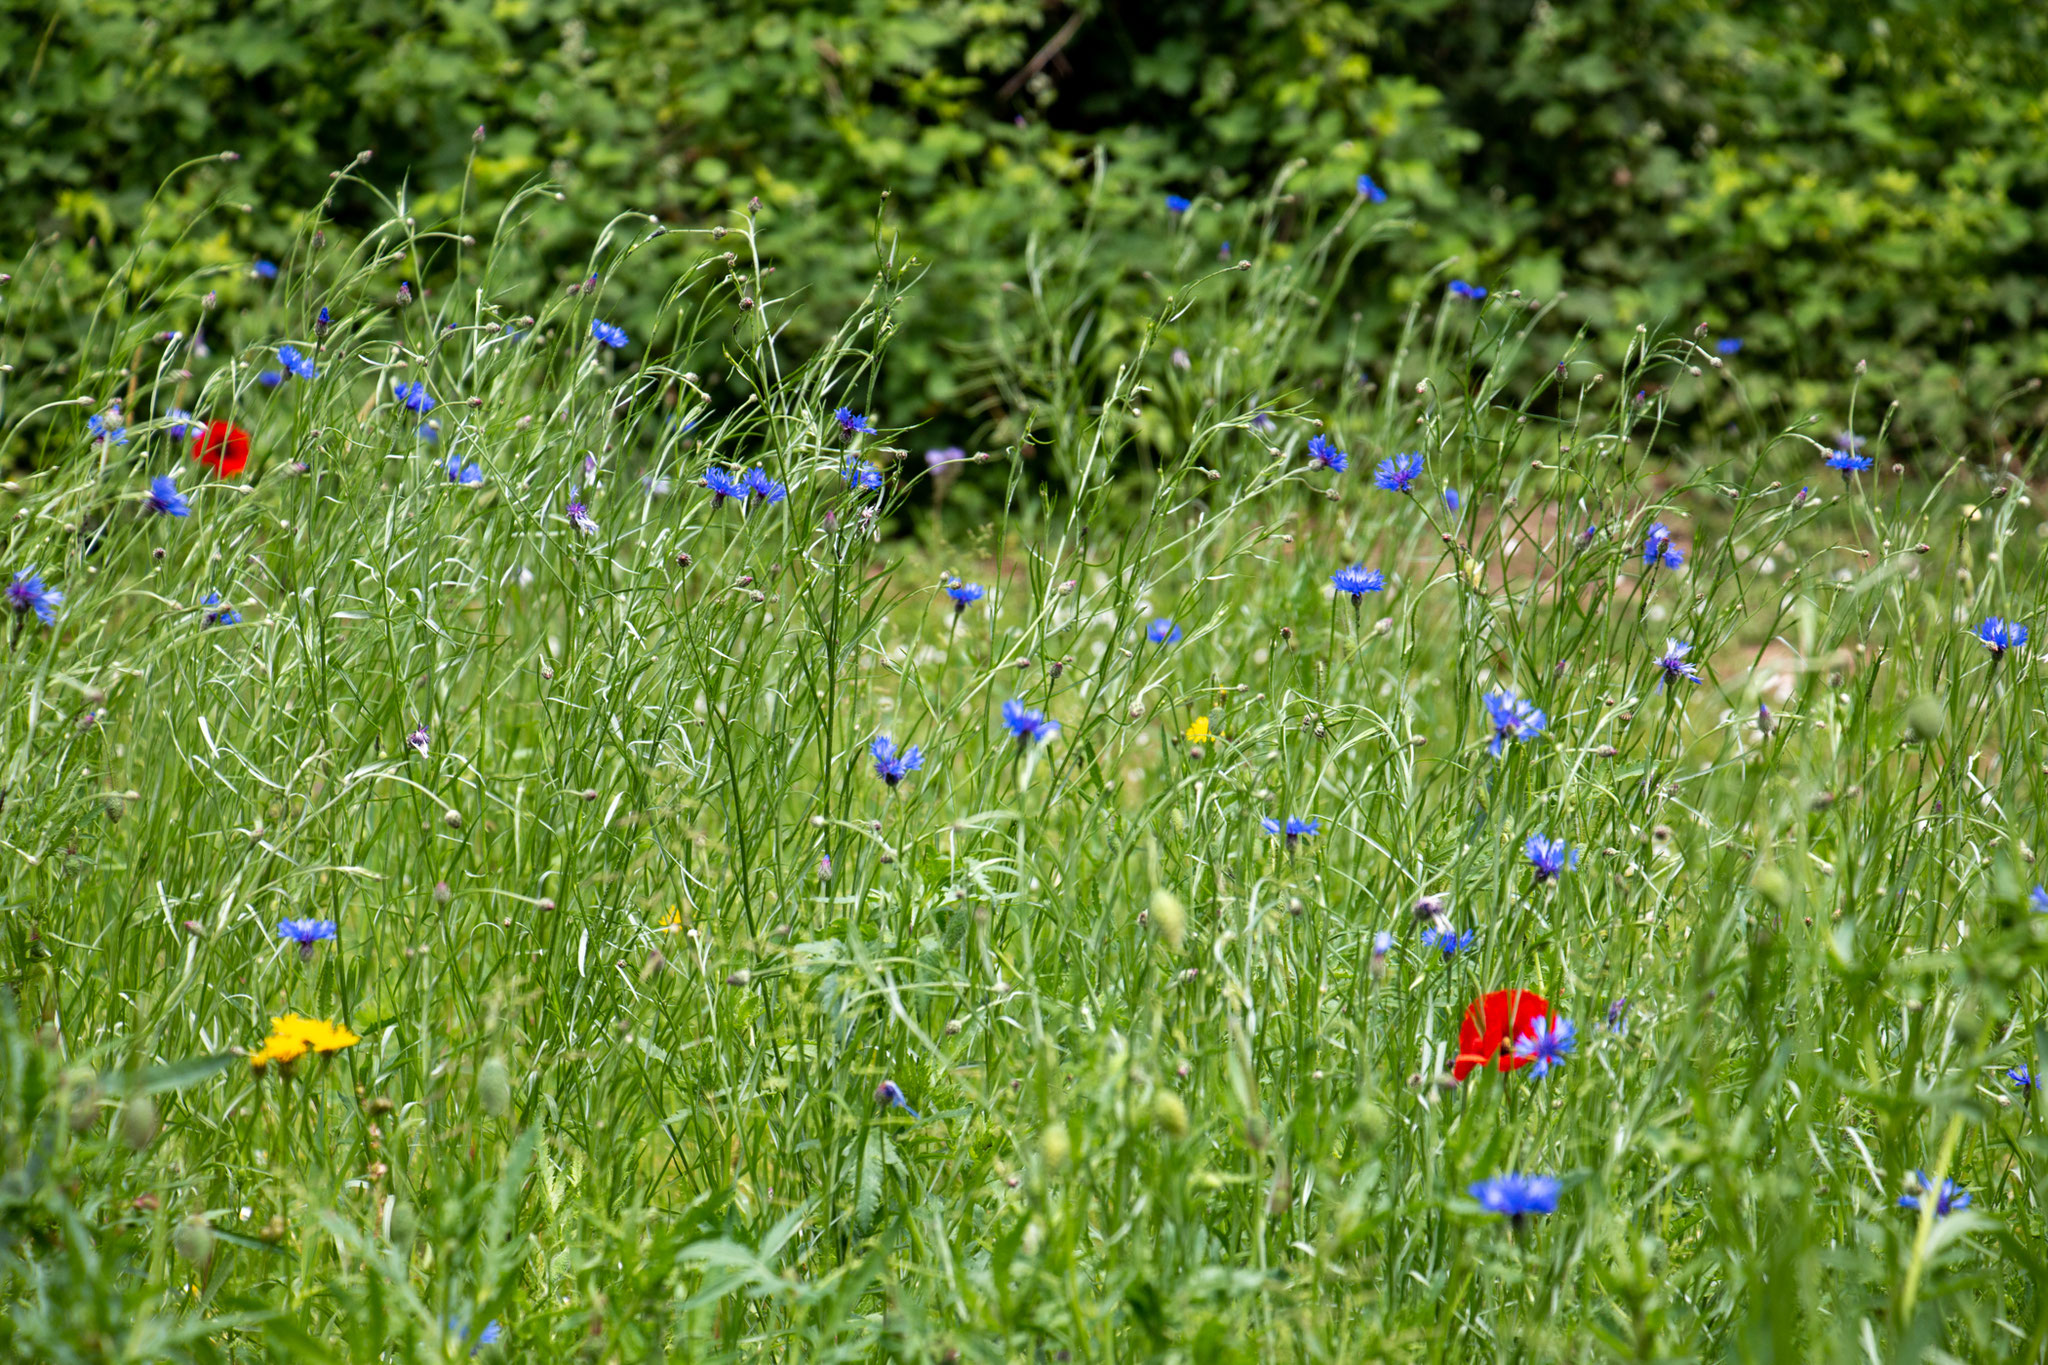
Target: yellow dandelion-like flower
column 276, row 1049
column 671, row 923
column 292, row 1036
column 1198, row 733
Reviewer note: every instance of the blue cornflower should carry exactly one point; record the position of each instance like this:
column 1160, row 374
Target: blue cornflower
column 964, row 594
column 1398, row 473
column 414, row 396
column 468, row 475
column 580, row 518
column 1369, row 190
column 1517, row 1196
column 614, row 337
column 108, row 426
column 1177, row 204
column 2022, row 1078
column 265, row 270
column 1617, row 1015
column 1358, row 581
column 165, row 499
column 296, row 363
column 724, row 485
column 861, row 477
column 270, row 379
column 890, row 1096
column 1294, row 828
column 1382, row 944
column 852, row 422
column 1262, row 421
column 766, row 489
column 2038, row 900
column 1998, row 635
column 1848, row 462
column 181, row 424
column 1513, row 718
column 1028, row 725
column 321, row 322
column 1163, row 632
column 1550, row 857
column 1849, row 441
column 1674, row 663
column 306, row 933
column 1728, row 345
column 1447, row 941
column 1461, row 289
column 891, row 766
column 1324, row 453
column 218, row 615
column 1950, row 1198
column 490, row 1336
column 1547, row 1043
column 1657, row 548
column 1451, row 500
column 28, row 593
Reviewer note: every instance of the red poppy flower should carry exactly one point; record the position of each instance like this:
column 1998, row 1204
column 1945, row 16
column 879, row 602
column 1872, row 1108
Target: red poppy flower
column 222, row 447
column 1493, row 1024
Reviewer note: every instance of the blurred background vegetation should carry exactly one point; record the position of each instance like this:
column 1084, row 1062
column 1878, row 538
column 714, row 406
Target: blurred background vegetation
column 1827, row 180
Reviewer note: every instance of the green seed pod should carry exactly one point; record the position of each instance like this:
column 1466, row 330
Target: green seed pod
column 494, row 1087
column 1926, row 720
column 84, row 1090
column 1770, row 883
column 192, row 1239
column 401, row 1226
column 1169, row 918
column 1170, row 1114
column 140, row 1122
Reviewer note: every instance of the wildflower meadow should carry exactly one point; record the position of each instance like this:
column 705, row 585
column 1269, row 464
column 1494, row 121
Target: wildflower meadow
column 525, row 836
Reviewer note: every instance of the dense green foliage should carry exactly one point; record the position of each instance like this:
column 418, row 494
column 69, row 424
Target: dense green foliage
column 1828, row 180
column 638, row 949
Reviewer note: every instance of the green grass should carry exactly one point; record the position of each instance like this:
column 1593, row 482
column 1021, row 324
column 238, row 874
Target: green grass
column 621, row 1041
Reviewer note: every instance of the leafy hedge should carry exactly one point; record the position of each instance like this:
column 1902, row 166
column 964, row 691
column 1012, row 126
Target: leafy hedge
column 1826, row 183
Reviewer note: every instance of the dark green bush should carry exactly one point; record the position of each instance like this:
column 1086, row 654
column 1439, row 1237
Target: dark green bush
column 1825, row 181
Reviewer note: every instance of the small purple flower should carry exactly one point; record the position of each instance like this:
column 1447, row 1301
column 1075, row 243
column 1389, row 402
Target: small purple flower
column 218, row 615
column 306, row 933
column 939, row 459
column 270, row 379
column 418, row 740
column 28, row 593
column 2022, row 1079
column 107, row 427
column 1547, row 1044
column 964, row 594
column 1674, row 663
column 1517, row 1196
column 1617, row 1015
column 1323, row 452
column 768, row 490
column 296, row 364
column 614, row 337
column 890, row 765
column 1658, row 549
column 580, row 518
column 1950, row 1198
column 724, row 485
column 1451, row 500
column 264, row 270
column 1369, row 190
column 165, row 499
column 890, row 1096
column 181, row 424
column 1513, row 719
column 1294, row 829
column 1462, row 290
column 861, row 477
column 1550, row 857
column 1398, row 473
column 1028, row 725
column 322, row 322
column 2037, row 900
column 1998, row 635
column 414, row 396
column 466, row 475
column 1447, row 941
column 1358, row 581
column 1262, row 421
column 851, row 422
column 1163, row 632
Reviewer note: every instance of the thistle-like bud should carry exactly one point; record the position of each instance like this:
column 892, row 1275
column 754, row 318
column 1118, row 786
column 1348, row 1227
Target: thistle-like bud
column 140, row 1122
